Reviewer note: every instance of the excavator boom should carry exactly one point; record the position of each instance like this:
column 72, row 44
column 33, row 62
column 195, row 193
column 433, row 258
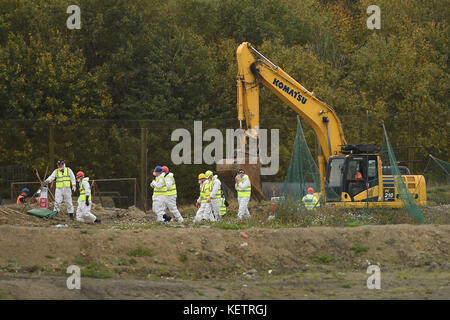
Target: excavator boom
column 253, row 67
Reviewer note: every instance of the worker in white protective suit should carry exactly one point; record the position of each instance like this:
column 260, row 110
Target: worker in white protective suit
column 204, row 207
column 159, row 194
column 85, row 200
column 171, row 194
column 65, row 179
column 216, row 193
column 243, row 188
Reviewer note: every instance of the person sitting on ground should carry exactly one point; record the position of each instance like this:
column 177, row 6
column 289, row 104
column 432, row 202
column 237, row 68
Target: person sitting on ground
column 22, row 197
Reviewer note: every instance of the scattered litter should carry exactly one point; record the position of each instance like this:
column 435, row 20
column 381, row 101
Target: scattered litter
column 244, row 235
column 205, row 226
column 244, row 244
column 61, row 226
column 270, row 271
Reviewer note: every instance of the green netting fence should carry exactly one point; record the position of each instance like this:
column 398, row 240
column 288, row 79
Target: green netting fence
column 302, row 174
column 402, row 191
column 437, row 171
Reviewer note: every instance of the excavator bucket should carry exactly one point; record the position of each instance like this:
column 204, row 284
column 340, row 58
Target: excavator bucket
column 227, row 169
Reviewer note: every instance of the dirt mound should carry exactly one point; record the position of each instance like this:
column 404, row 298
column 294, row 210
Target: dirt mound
column 201, row 253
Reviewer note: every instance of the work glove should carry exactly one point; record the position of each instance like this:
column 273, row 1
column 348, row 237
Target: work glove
column 209, row 199
column 87, row 202
column 197, row 204
column 74, row 188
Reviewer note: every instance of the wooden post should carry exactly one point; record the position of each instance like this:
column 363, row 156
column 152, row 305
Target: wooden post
column 144, row 167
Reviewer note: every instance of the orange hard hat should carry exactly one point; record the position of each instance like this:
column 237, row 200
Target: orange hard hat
column 80, row 174
column 165, row 169
column 310, row 190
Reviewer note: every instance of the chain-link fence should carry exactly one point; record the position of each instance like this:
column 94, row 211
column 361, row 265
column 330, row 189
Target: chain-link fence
column 131, row 149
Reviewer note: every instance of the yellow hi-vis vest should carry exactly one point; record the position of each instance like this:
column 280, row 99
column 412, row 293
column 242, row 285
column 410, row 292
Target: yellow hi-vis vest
column 205, row 191
column 244, row 193
column 219, row 192
column 173, row 188
column 310, row 202
column 160, row 191
column 63, row 179
column 82, row 197
column 223, row 208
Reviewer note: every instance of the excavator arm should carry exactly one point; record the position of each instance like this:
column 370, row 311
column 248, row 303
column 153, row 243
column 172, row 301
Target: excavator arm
column 253, row 68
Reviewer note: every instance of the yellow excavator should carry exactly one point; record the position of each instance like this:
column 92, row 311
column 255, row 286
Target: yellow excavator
column 352, row 173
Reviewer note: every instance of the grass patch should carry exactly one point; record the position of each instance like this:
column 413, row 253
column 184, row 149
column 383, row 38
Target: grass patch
column 367, row 232
column 346, row 285
column 121, row 262
column 357, row 248
column 141, row 252
column 438, row 195
column 50, row 257
column 354, row 224
column 79, row 262
column 229, row 226
column 183, row 258
column 96, row 270
column 96, row 274
column 323, row 258
column 132, row 261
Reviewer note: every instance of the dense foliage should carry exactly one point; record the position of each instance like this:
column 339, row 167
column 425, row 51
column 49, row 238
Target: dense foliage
column 175, row 60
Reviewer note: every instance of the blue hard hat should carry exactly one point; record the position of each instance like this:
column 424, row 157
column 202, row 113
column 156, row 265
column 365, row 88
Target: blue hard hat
column 158, row 169
column 26, row 190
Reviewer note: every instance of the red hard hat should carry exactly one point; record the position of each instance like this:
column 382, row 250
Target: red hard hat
column 80, row 174
column 165, row 169
column 310, row 190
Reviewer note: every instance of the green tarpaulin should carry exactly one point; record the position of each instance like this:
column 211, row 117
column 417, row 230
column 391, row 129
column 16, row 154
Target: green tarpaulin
column 41, row 213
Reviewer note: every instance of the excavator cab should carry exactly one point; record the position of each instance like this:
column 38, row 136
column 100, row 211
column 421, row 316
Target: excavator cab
column 355, row 175
column 349, row 177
